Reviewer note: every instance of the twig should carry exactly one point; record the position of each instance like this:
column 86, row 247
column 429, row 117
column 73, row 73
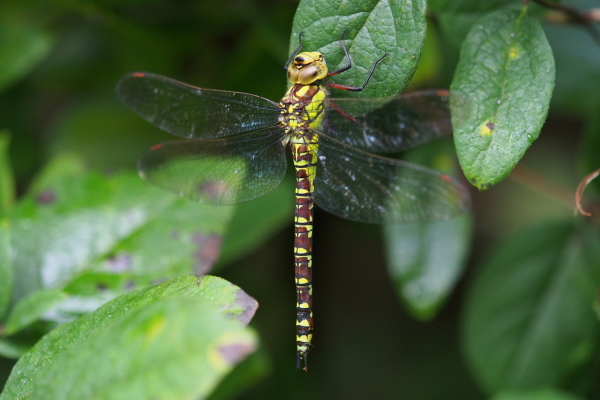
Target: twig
column 579, row 194
column 537, row 182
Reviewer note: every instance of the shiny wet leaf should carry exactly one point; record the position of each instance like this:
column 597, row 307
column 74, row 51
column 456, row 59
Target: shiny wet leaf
column 98, row 236
column 506, row 73
column 373, row 28
column 173, row 340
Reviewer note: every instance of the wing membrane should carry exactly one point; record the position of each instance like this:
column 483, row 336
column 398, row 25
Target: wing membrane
column 219, row 171
column 192, row 112
column 363, row 187
column 391, row 124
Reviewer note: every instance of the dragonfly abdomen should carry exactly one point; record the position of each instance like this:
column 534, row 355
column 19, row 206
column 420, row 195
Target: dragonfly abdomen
column 304, row 155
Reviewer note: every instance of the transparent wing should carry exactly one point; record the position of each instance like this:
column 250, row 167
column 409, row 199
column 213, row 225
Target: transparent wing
column 219, row 171
column 363, row 187
column 192, row 112
column 391, row 124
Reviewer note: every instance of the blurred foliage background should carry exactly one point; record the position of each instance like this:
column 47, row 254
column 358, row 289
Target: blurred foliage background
column 60, row 60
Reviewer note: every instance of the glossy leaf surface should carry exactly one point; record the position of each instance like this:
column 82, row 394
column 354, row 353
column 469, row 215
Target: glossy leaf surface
column 372, row 29
column 185, row 323
column 506, row 73
column 99, row 236
column 31, row 308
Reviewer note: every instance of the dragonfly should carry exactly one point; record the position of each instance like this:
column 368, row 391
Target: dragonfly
column 233, row 151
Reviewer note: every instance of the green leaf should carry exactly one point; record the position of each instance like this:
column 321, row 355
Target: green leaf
column 255, row 221
column 529, row 319
column 247, row 373
column 31, row 308
column 541, row 394
column 7, row 195
column 74, row 227
column 505, row 75
column 7, row 184
column 143, row 356
column 373, row 28
column 12, row 349
column 456, row 18
column 6, row 270
column 165, row 341
column 23, row 44
column 425, row 260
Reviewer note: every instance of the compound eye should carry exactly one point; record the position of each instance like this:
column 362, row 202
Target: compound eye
column 309, row 74
column 292, row 74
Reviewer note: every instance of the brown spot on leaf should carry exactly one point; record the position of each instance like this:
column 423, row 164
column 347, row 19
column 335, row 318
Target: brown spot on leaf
column 490, row 125
column 46, row 197
column 207, row 251
column 129, row 285
column 120, row 263
column 234, row 353
column 248, row 304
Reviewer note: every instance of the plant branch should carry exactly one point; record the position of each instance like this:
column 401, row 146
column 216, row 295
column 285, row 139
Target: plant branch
column 579, row 194
column 538, row 183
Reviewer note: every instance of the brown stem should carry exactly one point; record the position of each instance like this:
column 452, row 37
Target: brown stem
column 537, row 182
column 579, row 194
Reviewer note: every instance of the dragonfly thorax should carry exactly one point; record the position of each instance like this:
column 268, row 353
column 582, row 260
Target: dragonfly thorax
column 302, row 108
column 307, row 68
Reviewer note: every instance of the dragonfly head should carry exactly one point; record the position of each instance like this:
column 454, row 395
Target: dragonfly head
column 307, row 68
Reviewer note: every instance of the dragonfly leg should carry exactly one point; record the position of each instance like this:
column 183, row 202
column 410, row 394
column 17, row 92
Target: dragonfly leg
column 343, row 113
column 347, row 66
column 356, row 88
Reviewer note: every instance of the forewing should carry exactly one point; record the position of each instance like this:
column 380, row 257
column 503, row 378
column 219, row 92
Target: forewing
column 363, row 187
column 192, row 112
column 389, row 125
column 218, row 171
